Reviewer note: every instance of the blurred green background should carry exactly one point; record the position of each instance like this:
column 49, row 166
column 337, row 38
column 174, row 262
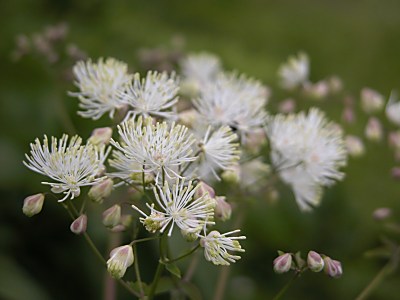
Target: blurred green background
column 356, row 40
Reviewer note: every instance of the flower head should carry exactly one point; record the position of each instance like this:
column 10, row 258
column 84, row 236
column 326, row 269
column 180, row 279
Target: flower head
column 178, row 206
column 100, row 84
column 149, row 148
column 220, row 152
column 307, row 151
column 295, row 71
column 71, row 165
column 153, row 95
column 121, row 258
column 217, row 247
column 233, row 100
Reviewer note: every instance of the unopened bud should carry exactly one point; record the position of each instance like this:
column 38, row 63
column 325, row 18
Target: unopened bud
column 382, row 213
column 335, row 84
column 120, row 259
column 283, row 263
column 101, row 136
column 112, row 216
column 348, row 115
column 393, row 108
column 223, row 209
column 396, row 173
column 287, row 106
column 371, row 100
column 373, row 130
column 314, row 261
column 332, row 267
column 188, row 117
column 354, row 145
column 318, row 90
column 101, row 190
column 231, row 175
column 394, row 139
column 33, row 205
column 203, row 189
column 79, row 225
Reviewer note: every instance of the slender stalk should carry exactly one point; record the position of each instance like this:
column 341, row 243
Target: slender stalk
column 221, row 283
column 286, row 286
column 380, row 276
column 137, row 270
column 144, row 240
column 183, row 255
column 157, row 276
column 192, row 267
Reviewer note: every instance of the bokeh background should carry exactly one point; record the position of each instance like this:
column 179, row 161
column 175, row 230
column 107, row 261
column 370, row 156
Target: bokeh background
column 357, row 40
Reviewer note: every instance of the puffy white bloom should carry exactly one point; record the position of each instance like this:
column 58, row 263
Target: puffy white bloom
column 120, row 259
column 153, row 95
column 200, row 69
column 233, row 100
column 71, row 165
column 151, row 148
column 393, row 108
column 371, row 100
column 217, row 247
column 295, row 71
column 178, row 206
column 100, row 84
column 219, row 151
column 307, row 151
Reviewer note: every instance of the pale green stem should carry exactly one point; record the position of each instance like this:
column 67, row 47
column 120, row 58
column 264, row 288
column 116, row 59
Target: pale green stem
column 286, row 286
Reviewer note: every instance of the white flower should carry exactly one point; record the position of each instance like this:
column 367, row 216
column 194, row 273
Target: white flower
column 295, row 71
column 71, row 165
column 120, row 259
column 393, row 108
column 307, row 151
column 200, row 69
column 151, row 148
column 217, row 247
column 233, row 100
column 180, row 207
column 152, row 95
column 100, row 84
column 220, row 152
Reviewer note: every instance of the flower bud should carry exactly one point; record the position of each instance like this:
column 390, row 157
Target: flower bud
column 373, row 130
column 332, row 267
column 393, row 108
column 318, row 90
column 348, row 115
column 282, row 263
column 101, row 136
column 202, row 189
column 314, row 261
column 101, row 190
column 394, row 139
column 396, row 173
column 112, row 216
column 382, row 213
column 335, row 84
column 120, row 259
column 79, row 225
column 287, row 106
column 223, row 209
column 354, row 146
column 232, row 175
column 371, row 100
column 33, row 205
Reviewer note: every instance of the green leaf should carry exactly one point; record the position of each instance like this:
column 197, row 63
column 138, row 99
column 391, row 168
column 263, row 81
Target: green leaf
column 173, row 269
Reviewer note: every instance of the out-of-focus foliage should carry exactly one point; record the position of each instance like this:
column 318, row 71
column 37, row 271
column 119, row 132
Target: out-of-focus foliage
column 357, row 40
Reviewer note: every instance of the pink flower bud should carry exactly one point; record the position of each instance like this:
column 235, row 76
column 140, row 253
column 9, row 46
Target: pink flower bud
column 79, row 225
column 332, row 267
column 282, row 263
column 371, row 100
column 382, row 213
column 396, row 173
column 204, row 188
column 101, row 190
column 33, row 205
column 223, row 209
column 373, row 130
column 314, row 261
column 112, row 216
column 120, row 259
column 101, row 136
column 348, row 115
column 287, row 106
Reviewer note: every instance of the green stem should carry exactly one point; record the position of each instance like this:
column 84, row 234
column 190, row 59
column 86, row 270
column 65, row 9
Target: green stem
column 144, row 240
column 93, row 247
column 137, row 271
column 183, row 255
column 380, row 276
column 287, row 285
column 157, row 276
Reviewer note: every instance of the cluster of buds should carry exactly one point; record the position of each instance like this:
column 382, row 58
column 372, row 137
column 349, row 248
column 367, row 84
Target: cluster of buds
column 315, row 262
